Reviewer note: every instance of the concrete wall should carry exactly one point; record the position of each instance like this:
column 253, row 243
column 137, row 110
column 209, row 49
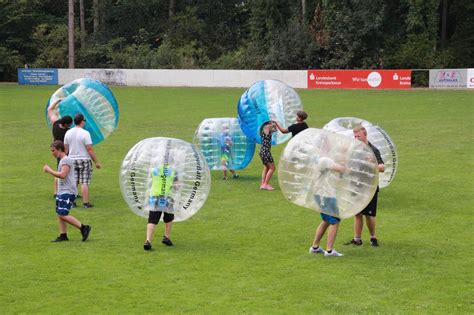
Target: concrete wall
column 187, row 78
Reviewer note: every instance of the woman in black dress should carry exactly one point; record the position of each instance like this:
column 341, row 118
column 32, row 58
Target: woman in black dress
column 266, row 132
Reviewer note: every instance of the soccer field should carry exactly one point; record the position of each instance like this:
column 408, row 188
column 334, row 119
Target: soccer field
column 246, row 250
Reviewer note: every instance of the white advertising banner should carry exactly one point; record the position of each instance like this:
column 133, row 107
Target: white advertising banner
column 470, row 78
column 448, row 78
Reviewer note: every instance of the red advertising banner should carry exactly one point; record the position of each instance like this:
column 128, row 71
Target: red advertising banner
column 359, row 79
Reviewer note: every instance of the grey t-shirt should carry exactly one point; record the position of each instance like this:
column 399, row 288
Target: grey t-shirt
column 68, row 184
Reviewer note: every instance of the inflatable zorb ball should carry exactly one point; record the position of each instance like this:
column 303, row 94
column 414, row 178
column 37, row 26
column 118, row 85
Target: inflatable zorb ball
column 167, row 175
column 223, row 144
column 94, row 100
column 327, row 172
column 264, row 101
column 377, row 136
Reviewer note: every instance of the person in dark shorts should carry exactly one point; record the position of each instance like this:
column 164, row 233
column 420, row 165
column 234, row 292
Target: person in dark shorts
column 67, row 191
column 295, row 128
column 160, row 202
column 60, row 127
column 370, row 211
column 265, row 153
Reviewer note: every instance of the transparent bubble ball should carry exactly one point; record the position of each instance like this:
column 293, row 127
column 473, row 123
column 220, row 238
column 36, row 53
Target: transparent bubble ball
column 377, row 136
column 91, row 98
column 264, row 101
column 327, row 172
column 223, row 144
column 165, row 160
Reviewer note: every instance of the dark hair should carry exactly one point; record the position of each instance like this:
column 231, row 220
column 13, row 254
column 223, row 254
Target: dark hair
column 78, row 118
column 58, row 145
column 301, row 114
column 66, row 120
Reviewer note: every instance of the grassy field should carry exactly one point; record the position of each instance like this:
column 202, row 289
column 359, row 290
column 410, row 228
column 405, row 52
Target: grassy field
column 246, row 250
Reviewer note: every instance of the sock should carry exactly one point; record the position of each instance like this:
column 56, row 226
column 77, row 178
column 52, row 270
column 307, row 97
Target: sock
column 63, row 235
column 315, row 248
column 373, row 238
column 357, row 238
column 329, row 251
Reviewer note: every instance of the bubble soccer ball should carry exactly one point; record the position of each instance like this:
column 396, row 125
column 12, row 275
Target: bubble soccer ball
column 377, row 136
column 327, row 172
column 165, row 174
column 94, row 100
column 268, row 100
column 223, row 144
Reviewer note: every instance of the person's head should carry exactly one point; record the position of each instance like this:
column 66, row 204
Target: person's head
column 57, row 148
column 301, row 116
column 66, row 121
column 79, row 119
column 360, row 133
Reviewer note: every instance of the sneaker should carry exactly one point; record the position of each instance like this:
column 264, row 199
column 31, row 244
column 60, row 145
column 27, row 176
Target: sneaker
column 333, row 253
column 235, row 176
column 374, row 242
column 167, row 241
column 147, row 245
column 354, row 242
column 85, row 230
column 60, row 239
column 318, row 250
column 224, row 178
column 87, row 205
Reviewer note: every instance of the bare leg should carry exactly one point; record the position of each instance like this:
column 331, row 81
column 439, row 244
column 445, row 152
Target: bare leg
column 321, row 229
column 331, row 236
column 225, row 173
column 271, row 169
column 358, row 225
column 71, row 220
column 85, row 193
column 150, row 228
column 168, row 229
column 371, row 225
column 62, row 226
column 264, row 175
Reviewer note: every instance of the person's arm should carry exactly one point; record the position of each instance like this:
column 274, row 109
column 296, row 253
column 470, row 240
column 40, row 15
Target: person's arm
column 62, row 174
column 381, row 168
column 283, row 130
column 51, row 114
column 91, row 152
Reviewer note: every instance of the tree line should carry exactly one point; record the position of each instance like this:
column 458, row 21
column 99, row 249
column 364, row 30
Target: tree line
column 236, row 34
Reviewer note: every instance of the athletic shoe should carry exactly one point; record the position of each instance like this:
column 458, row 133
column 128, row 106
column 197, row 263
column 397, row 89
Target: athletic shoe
column 374, row 242
column 60, row 239
column 224, row 178
column 333, row 253
column 87, row 205
column 235, row 176
column 167, row 241
column 354, row 242
column 85, row 230
column 319, row 250
column 147, row 245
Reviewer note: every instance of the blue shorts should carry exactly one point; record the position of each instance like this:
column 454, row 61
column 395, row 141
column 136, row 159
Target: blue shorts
column 329, row 219
column 64, row 203
column 329, row 206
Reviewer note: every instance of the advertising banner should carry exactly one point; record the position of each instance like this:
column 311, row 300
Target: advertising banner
column 359, row 79
column 37, row 76
column 470, row 78
column 448, row 78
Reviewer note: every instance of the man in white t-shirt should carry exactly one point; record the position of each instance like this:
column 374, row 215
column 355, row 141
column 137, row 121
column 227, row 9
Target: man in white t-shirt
column 78, row 145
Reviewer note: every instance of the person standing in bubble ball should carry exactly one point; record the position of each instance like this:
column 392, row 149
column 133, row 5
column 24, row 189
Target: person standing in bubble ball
column 325, row 196
column 295, row 128
column 265, row 154
column 370, row 211
column 226, row 152
column 164, row 182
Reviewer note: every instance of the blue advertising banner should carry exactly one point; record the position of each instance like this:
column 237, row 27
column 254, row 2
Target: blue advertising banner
column 37, row 76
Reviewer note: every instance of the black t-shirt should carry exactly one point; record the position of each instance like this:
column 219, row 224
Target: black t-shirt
column 58, row 132
column 297, row 128
column 377, row 153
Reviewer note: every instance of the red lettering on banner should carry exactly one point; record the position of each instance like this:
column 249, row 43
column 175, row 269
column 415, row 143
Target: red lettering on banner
column 359, row 79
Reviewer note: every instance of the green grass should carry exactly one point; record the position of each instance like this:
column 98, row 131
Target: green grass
column 245, row 251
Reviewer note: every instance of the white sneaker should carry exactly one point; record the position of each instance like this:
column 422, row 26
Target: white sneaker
column 319, row 250
column 333, row 253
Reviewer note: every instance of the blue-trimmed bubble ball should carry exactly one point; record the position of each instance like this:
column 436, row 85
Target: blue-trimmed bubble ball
column 223, row 144
column 264, row 101
column 377, row 136
column 167, row 175
column 327, row 172
column 91, row 98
